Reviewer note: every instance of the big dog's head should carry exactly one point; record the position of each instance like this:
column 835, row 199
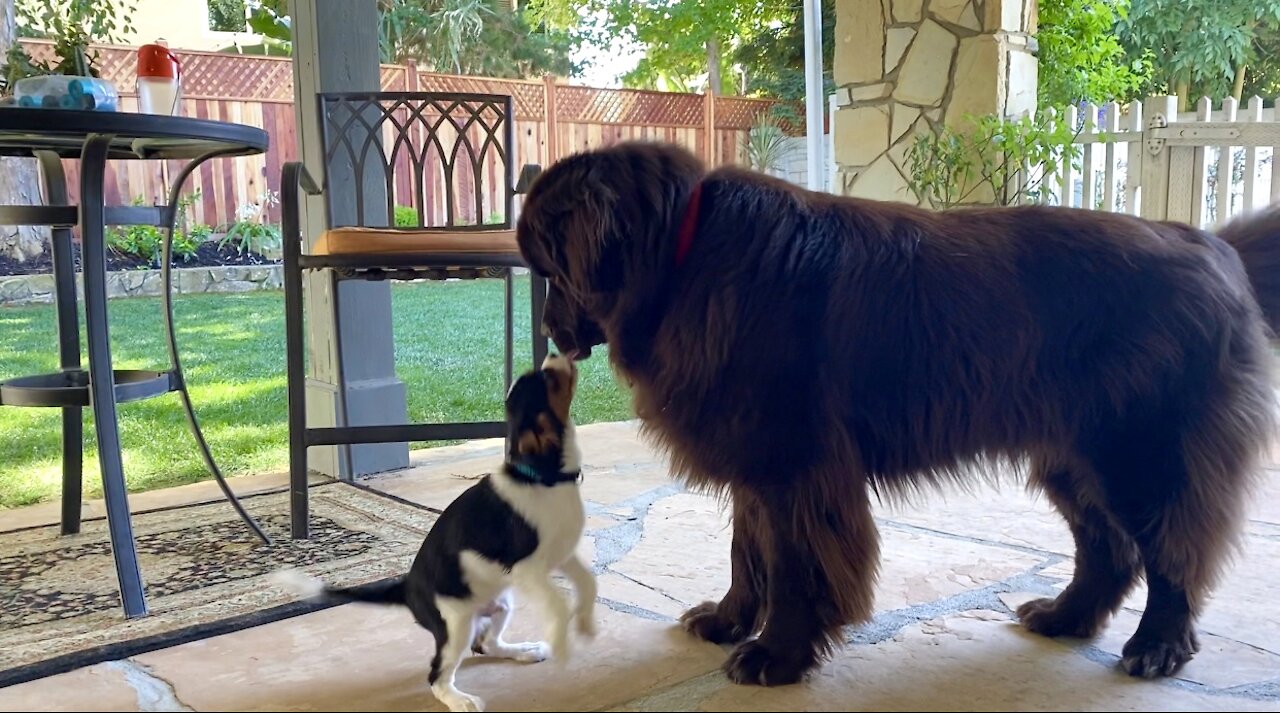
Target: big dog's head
column 600, row 227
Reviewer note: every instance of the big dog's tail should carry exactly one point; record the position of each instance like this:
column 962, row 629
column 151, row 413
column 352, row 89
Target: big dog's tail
column 1256, row 238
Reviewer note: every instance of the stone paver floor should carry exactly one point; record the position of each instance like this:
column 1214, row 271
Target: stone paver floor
column 944, row 637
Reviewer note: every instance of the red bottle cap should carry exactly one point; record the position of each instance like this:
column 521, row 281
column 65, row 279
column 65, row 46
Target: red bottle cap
column 157, row 60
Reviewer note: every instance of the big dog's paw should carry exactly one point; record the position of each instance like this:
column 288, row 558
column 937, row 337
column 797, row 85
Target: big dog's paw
column 707, row 623
column 753, row 664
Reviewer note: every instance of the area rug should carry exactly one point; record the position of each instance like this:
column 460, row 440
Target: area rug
column 205, row 574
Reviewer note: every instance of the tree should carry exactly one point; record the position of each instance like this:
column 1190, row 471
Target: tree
column 1081, row 59
column 19, row 182
column 227, row 15
column 1262, row 78
column 686, row 39
column 470, row 37
column 458, row 36
column 72, row 25
column 772, row 58
column 1200, row 47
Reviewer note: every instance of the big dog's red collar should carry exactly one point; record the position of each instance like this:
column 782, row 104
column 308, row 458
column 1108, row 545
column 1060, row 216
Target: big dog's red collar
column 688, row 225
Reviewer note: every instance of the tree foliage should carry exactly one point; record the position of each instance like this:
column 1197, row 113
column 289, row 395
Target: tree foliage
column 687, row 39
column 772, row 58
column 475, row 37
column 470, row 37
column 72, row 25
column 1197, row 47
column 1081, row 58
column 756, row 47
column 1262, row 77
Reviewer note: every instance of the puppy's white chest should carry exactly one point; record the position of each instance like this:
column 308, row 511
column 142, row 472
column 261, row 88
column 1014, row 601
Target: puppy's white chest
column 556, row 514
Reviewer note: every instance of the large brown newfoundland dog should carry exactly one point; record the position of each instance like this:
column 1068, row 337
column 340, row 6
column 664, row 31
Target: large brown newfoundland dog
column 802, row 353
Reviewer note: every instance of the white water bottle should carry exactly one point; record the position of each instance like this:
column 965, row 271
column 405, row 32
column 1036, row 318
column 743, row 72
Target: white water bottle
column 159, row 79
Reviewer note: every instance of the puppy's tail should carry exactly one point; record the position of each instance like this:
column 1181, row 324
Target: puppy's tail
column 385, row 592
column 1256, row 238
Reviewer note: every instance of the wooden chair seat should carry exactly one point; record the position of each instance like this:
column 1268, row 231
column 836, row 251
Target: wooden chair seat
column 393, row 241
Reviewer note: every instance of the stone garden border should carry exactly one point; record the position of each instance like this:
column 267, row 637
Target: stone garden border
column 38, row 289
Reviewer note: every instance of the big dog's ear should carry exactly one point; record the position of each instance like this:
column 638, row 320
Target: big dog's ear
column 592, row 240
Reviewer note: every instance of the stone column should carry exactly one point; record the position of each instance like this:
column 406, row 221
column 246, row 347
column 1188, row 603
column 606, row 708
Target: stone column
column 909, row 66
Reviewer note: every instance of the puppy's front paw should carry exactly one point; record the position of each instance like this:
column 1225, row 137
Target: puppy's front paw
column 560, row 647
column 586, row 623
column 468, row 704
column 457, row 701
column 532, row 652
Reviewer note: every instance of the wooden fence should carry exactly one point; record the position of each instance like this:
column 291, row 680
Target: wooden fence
column 552, row 121
column 1146, row 158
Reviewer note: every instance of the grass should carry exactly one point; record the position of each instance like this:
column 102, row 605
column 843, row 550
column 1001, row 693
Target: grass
column 448, row 352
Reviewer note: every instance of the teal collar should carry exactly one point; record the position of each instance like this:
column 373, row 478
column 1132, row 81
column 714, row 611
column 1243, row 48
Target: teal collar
column 526, row 472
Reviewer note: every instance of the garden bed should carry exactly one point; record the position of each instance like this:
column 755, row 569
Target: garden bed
column 209, row 254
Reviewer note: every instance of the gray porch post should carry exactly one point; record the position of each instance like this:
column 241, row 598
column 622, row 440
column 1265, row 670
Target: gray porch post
column 350, row 350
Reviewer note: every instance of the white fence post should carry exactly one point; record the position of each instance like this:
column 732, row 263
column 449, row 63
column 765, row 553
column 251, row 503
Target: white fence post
column 1111, row 127
column 1068, row 169
column 1135, row 155
column 1252, row 114
column 1275, row 159
column 1159, row 111
column 1087, row 173
column 1187, row 197
column 1226, row 162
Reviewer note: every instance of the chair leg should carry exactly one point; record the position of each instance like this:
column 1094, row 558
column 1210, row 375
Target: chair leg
column 538, row 292
column 295, row 349
column 346, row 451
column 509, row 316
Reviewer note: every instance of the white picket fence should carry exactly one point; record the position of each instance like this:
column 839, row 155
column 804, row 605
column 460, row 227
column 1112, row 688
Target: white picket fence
column 1200, row 167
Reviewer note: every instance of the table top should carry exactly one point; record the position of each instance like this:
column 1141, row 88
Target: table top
column 25, row 130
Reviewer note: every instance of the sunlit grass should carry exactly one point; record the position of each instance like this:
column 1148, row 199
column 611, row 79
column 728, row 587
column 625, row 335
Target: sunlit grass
column 448, row 352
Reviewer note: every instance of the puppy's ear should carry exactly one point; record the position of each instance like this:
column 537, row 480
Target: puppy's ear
column 539, row 440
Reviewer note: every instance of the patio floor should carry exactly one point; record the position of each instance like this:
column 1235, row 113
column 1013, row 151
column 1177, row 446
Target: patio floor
column 944, row 637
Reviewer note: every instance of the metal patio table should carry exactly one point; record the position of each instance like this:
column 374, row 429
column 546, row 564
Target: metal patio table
column 93, row 137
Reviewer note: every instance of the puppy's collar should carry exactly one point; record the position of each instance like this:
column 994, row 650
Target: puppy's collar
column 528, row 473
column 688, row 225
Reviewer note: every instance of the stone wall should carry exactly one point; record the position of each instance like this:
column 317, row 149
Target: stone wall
column 908, row 66
column 38, row 289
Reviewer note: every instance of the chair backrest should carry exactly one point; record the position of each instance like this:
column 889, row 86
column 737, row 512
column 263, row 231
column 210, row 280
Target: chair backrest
column 419, row 160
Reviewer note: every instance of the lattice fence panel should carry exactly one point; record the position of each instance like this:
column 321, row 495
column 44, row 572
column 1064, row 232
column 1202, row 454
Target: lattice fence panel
column 205, row 75
column 394, row 78
column 528, row 97
column 628, row 106
column 741, row 113
column 237, row 76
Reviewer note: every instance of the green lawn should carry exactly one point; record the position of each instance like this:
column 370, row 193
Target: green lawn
column 448, row 352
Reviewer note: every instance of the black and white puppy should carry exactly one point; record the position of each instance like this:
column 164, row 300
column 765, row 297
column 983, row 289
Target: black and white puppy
column 511, row 530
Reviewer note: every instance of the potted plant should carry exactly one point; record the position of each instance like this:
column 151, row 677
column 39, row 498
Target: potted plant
column 73, row 25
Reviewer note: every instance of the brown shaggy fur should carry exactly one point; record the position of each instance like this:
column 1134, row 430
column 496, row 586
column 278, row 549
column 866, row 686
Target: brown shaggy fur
column 816, row 351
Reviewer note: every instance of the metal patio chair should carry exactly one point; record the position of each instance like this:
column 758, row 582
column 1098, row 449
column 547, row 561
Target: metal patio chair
column 449, row 156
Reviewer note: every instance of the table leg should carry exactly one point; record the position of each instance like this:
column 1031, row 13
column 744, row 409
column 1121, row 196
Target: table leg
column 166, row 266
column 64, row 278
column 102, row 392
